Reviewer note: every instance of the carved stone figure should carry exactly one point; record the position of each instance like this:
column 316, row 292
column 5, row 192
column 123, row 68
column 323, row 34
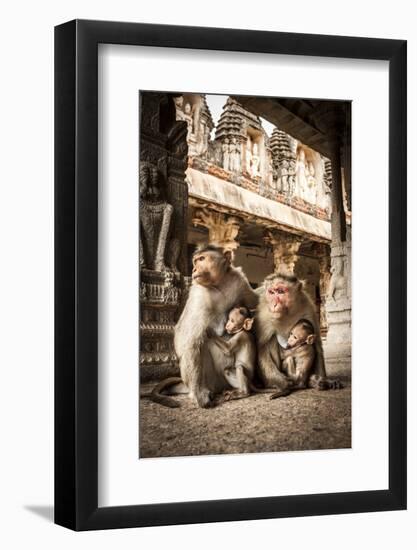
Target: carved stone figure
column 184, row 113
column 325, row 186
column 311, row 189
column 255, row 161
column 283, row 181
column 248, row 155
column 337, row 286
column 283, row 161
column 234, row 156
column 155, row 219
column 189, row 120
column 301, row 178
column 226, row 155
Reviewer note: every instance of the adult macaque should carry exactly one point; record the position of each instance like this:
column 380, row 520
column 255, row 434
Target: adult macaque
column 283, row 303
column 216, row 287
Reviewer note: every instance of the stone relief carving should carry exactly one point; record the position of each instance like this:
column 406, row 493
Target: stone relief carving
column 184, row 112
column 283, row 162
column 155, row 221
column 337, row 286
column 193, row 109
column 255, row 162
column 226, row 154
column 285, row 249
column 234, row 159
column 222, row 229
column 163, row 225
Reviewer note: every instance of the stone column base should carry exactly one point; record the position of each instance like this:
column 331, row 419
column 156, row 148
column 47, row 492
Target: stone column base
column 338, row 343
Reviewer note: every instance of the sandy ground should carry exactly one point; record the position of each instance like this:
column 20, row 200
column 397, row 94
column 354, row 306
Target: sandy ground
column 308, row 419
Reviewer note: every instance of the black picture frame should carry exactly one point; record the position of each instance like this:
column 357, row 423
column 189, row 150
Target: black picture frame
column 76, row 271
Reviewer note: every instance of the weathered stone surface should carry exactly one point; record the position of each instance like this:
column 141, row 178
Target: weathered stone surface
column 163, row 231
column 270, row 213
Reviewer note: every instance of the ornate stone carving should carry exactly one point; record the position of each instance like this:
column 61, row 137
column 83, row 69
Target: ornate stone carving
column 226, row 154
column 184, row 112
column 338, row 303
column 285, row 248
column 324, row 290
column 234, row 156
column 163, row 225
column 337, row 286
column 255, row 160
column 324, row 186
column 155, row 220
column 283, row 162
column 222, row 230
column 243, row 141
column 306, row 185
column 193, row 109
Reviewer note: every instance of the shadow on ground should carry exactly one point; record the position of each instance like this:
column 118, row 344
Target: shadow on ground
column 308, row 419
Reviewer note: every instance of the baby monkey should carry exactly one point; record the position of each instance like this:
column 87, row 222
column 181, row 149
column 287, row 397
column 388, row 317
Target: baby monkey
column 240, row 348
column 298, row 361
column 298, row 357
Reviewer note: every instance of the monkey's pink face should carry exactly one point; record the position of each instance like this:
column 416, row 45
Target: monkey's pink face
column 278, row 298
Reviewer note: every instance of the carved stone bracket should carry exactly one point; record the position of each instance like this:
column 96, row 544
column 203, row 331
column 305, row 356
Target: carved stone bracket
column 223, row 230
column 285, row 250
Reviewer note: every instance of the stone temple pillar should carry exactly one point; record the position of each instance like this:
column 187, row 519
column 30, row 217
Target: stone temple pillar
column 223, row 230
column 338, row 302
column 339, row 298
column 285, row 248
column 324, row 262
column 163, row 232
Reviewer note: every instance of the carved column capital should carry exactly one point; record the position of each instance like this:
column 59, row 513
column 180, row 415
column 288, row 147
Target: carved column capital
column 285, row 250
column 223, row 229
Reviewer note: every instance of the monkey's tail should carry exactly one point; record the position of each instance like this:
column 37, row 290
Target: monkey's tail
column 156, row 396
column 275, row 393
column 280, row 393
column 254, row 389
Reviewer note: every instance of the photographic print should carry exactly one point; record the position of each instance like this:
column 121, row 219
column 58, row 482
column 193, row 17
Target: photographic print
column 245, row 274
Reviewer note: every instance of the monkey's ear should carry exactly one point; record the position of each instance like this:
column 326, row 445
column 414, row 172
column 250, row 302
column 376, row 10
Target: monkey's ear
column 248, row 323
column 228, row 256
column 311, row 338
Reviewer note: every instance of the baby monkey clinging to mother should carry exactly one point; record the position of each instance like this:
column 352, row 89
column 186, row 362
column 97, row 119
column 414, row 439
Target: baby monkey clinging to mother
column 298, row 357
column 240, row 352
column 240, row 356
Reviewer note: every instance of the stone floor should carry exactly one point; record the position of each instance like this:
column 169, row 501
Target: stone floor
column 307, row 419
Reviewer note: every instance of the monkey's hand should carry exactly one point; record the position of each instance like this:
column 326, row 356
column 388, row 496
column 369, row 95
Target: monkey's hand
column 222, row 344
